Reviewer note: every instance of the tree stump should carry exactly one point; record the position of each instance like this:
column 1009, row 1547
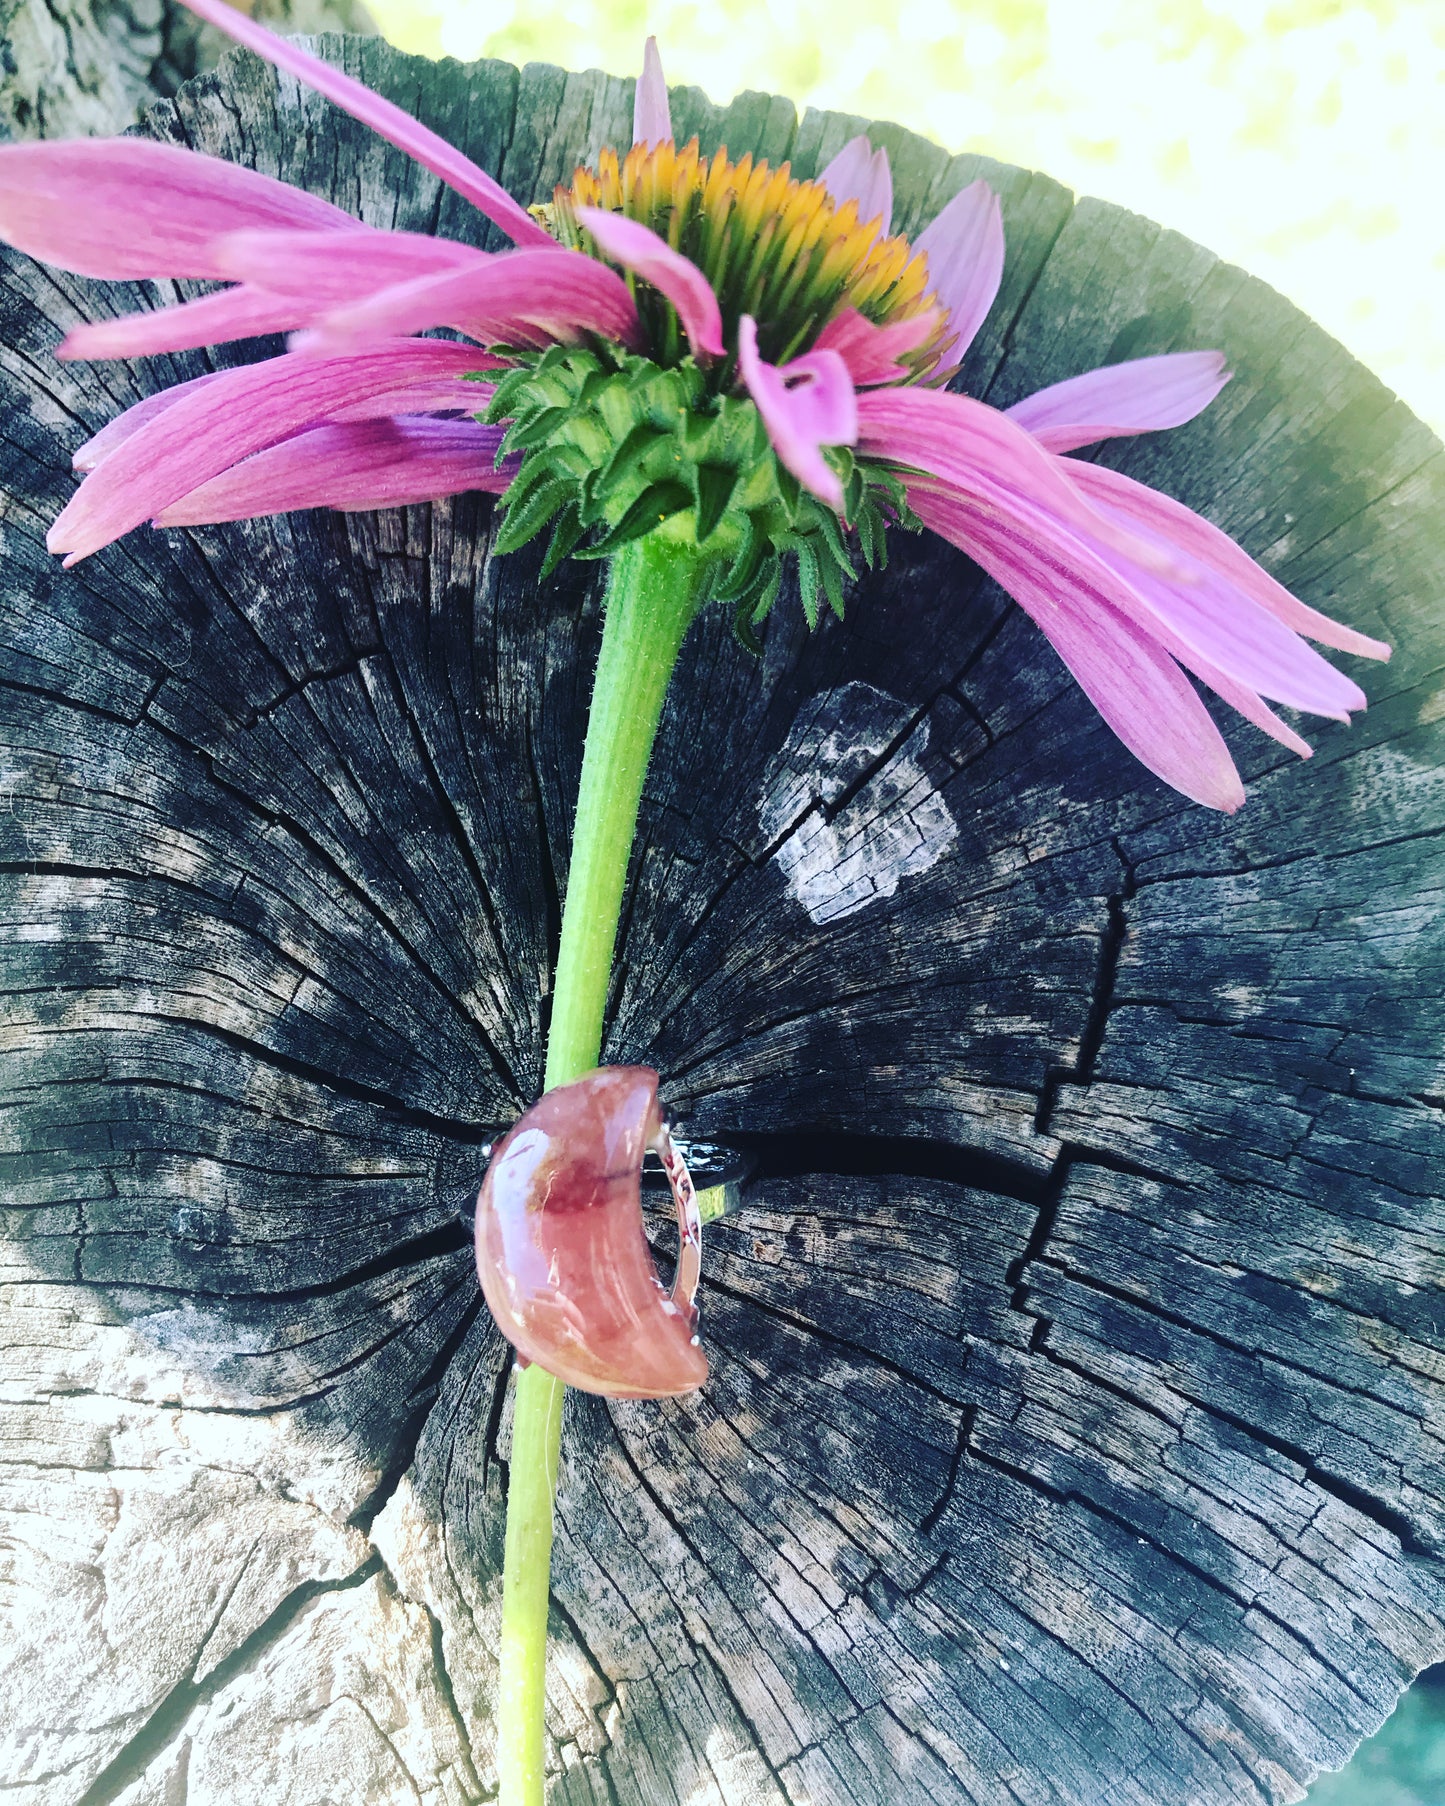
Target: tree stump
column 1074, row 1432
column 72, row 68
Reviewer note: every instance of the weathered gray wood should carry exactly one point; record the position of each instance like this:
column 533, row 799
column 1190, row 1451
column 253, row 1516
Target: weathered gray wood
column 72, row 68
column 1078, row 1354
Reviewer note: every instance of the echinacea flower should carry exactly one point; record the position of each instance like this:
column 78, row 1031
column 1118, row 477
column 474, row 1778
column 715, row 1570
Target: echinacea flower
column 712, row 350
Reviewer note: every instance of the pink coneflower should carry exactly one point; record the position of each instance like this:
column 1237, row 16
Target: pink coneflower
column 750, row 363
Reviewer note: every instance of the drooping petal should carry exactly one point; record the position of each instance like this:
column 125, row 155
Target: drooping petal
column 114, row 432
column 870, row 351
column 860, row 173
column 1160, row 516
column 125, row 208
column 423, row 394
column 234, row 313
column 1147, row 700
column 1137, row 688
column 965, row 262
column 1196, row 613
column 217, row 424
column 285, row 279
column 1254, row 708
column 805, row 405
column 369, row 464
column 651, row 115
column 329, row 270
column 420, row 143
column 1228, row 688
column 1200, row 616
column 1140, row 396
column 1184, row 649
column 526, row 297
column 426, row 394
column 637, row 248
column 984, row 455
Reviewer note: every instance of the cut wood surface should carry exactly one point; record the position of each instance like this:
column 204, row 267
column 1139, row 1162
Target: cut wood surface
column 1078, row 1358
column 76, row 68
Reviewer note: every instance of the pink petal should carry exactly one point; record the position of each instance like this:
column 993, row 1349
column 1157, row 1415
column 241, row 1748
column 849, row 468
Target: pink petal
column 1137, row 688
column 1195, row 612
column 965, row 262
column 370, row 464
column 860, row 173
column 214, row 426
column 1161, row 516
column 651, row 115
column 127, row 208
column 116, row 431
column 870, row 351
column 285, row 279
column 1120, row 399
column 983, row 454
column 639, row 249
column 1254, row 708
column 1153, row 575
column 524, row 297
column 1201, row 616
column 805, row 405
column 234, row 313
column 398, row 128
column 1146, row 699
column 426, row 394
column 1212, row 605
column 1227, row 687
column 329, row 270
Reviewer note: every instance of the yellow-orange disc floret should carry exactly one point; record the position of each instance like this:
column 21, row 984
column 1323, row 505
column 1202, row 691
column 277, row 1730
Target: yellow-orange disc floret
column 781, row 250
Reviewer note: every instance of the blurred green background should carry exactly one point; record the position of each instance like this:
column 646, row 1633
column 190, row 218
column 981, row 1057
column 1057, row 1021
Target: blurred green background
column 1404, row 1765
column 1303, row 139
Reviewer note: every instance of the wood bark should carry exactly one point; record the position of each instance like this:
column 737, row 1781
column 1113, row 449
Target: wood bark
column 1074, row 1433
column 76, row 68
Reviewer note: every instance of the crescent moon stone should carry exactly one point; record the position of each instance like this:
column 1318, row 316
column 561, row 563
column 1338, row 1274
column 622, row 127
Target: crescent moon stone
column 561, row 1250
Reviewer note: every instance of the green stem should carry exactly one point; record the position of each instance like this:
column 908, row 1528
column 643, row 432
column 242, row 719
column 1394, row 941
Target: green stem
column 653, row 592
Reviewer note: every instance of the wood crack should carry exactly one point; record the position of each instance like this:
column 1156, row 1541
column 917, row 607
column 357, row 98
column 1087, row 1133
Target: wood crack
column 318, row 851
column 826, row 1153
column 449, row 1697
column 1091, row 1037
column 1074, row 1496
column 1396, row 1523
column 168, row 1718
column 408, row 1432
column 931, row 1519
column 413, row 1115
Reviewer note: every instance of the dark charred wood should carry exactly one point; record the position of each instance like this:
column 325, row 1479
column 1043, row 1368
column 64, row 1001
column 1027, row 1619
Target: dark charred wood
column 1078, row 1349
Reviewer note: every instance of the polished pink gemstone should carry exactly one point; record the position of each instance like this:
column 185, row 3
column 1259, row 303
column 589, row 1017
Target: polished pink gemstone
column 561, row 1252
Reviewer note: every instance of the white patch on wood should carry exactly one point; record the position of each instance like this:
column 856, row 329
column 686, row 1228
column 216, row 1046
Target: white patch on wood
column 347, row 1705
column 144, row 1535
column 894, row 827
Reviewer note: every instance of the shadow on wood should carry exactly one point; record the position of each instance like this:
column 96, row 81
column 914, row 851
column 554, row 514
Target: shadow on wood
column 1078, row 1349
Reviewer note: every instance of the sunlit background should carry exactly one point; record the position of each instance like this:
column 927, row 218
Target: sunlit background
column 1304, row 139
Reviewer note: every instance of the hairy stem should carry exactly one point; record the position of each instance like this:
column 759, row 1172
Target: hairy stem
column 654, row 588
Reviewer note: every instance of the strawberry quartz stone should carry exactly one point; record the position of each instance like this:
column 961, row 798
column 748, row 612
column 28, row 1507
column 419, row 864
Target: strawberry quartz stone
column 561, row 1251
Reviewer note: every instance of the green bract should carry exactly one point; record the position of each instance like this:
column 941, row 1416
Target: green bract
column 614, row 447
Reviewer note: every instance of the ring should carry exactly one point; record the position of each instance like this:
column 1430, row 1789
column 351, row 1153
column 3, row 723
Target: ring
column 562, row 1254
